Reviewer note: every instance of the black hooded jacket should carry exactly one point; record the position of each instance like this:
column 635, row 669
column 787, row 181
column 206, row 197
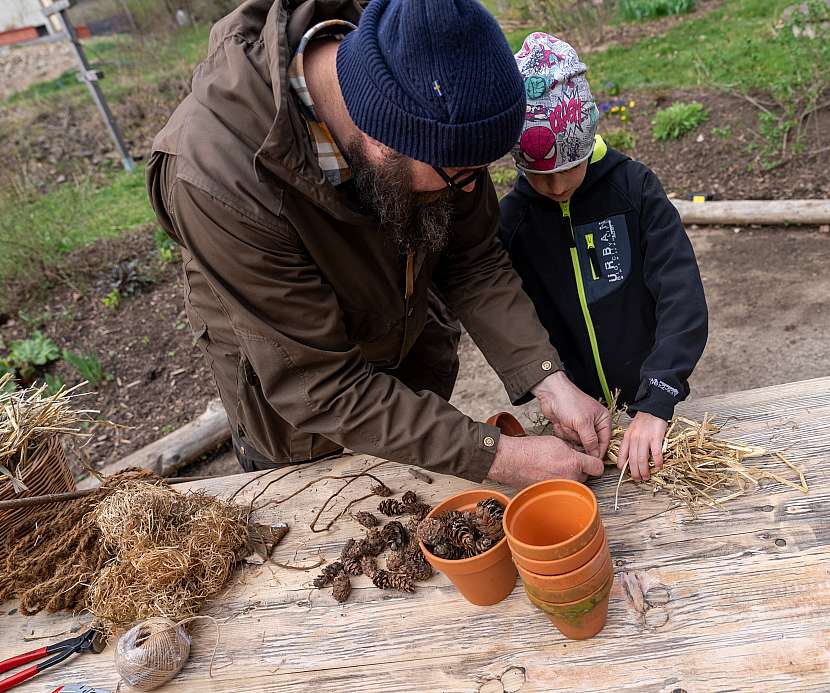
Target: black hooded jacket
column 616, row 283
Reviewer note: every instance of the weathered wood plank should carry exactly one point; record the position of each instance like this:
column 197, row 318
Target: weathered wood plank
column 770, row 212
column 735, row 600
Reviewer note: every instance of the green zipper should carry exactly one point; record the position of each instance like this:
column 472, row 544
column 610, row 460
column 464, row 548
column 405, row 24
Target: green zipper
column 586, row 314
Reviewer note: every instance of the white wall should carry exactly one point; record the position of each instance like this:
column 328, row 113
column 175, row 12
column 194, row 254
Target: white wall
column 19, row 13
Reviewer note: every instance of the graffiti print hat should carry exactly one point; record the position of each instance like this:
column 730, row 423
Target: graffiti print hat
column 561, row 116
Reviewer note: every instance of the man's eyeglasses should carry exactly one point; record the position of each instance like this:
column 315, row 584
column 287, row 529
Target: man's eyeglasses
column 461, row 179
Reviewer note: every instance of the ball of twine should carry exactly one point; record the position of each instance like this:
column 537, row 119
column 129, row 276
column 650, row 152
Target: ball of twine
column 151, row 653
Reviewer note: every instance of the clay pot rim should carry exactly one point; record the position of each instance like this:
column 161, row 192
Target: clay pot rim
column 603, row 541
column 607, row 562
column 580, row 488
column 463, row 562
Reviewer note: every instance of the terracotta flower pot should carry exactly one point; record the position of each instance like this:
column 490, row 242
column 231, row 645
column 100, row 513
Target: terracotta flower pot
column 508, row 424
column 575, row 585
column 551, row 520
column 484, row 579
column 580, row 619
column 561, row 566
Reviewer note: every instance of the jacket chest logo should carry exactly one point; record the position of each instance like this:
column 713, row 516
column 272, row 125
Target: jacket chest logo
column 610, row 254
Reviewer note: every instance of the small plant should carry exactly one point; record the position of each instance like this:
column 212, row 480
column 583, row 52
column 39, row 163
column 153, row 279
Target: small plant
column 54, row 383
column 723, row 133
column 112, row 300
column 27, row 356
column 88, row 366
column 637, row 10
column 675, row 121
column 621, row 139
column 11, row 385
column 166, row 246
column 126, row 278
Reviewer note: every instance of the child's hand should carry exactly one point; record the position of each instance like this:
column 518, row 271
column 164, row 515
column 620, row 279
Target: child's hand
column 644, row 437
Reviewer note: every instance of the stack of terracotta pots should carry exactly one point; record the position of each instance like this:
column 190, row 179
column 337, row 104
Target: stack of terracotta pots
column 558, row 544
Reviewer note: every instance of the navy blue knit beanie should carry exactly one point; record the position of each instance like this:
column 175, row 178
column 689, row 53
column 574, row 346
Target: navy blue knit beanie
column 434, row 80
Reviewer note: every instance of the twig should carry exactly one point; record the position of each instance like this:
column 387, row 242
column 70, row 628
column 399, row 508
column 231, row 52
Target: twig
column 72, row 495
column 299, row 567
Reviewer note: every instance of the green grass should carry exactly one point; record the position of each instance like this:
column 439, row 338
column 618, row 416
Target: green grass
column 731, row 47
column 40, row 229
column 127, row 62
column 638, row 10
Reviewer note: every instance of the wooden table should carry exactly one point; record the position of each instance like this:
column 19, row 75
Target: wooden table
column 732, row 600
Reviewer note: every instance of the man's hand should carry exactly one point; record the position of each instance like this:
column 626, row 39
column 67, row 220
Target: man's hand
column 520, row 462
column 574, row 415
column 643, row 437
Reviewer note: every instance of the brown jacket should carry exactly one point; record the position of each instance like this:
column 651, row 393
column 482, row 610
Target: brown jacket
column 295, row 298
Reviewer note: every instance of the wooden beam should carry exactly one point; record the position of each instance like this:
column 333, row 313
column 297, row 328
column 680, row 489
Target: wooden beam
column 765, row 212
column 184, row 445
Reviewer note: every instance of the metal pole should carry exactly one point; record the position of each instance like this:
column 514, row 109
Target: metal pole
column 90, row 78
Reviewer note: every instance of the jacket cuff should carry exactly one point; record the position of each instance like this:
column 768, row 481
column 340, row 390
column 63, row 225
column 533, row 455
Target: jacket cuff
column 655, row 403
column 518, row 382
column 482, row 453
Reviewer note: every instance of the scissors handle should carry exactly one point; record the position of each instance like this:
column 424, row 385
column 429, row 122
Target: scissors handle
column 21, row 676
column 19, row 660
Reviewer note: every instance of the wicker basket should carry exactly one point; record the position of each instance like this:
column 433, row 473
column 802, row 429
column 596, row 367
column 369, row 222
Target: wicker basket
column 46, row 472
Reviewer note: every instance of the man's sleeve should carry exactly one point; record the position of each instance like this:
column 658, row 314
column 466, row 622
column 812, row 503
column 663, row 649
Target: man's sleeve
column 291, row 329
column 481, row 287
column 673, row 278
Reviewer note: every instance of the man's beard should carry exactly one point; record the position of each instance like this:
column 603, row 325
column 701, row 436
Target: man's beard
column 410, row 220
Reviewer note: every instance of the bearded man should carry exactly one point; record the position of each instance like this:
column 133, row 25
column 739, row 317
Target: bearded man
column 326, row 179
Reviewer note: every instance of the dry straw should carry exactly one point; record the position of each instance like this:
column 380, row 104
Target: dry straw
column 28, row 419
column 699, row 468
column 171, row 552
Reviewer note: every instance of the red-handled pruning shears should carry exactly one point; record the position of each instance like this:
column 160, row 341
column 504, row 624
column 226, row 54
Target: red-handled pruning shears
column 91, row 641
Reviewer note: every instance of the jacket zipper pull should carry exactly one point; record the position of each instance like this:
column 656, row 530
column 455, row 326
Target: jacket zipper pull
column 593, row 258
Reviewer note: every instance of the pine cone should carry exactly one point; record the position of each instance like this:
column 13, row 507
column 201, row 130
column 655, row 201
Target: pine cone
column 342, row 587
column 432, row 531
column 373, row 544
column 484, row 543
column 329, row 572
column 409, row 498
column 489, row 514
column 369, row 566
column 491, row 506
column 366, row 519
column 352, row 566
column 393, row 581
column 350, row 550
column 460, row 533
column 391, row 507
column 382, row 490
column 394, row 535
column 447, row 551
column 412, row 527
column 419, row 510
column 395, row 561
column 417, row 570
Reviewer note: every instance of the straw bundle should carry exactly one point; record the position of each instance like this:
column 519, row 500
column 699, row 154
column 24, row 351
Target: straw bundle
column 700, row 469
column 29, row 420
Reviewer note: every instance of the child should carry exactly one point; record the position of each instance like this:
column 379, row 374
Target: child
column 602, row 253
